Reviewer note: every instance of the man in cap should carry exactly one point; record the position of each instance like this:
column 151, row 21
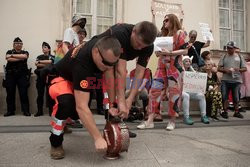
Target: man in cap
column 17, row 75
column 232, row 65
column 42, row 61
column 70, row 37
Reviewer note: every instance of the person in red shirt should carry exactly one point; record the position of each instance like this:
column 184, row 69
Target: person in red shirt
column 143, row 88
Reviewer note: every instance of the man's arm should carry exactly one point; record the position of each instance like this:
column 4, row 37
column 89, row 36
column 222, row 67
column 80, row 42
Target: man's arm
column 207, row 44
column 86, row 116
column 42, row 63
column 139, row 73
column 16, row 57
column 110, row 84
column 120, row 74
column 241, row 70
column 223, row 70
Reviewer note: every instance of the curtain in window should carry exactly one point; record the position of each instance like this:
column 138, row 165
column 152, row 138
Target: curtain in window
column 83, row 6
column 224, row 37
column 224, row 3
column 104, row 15
column 224, row 18
column 232, row 22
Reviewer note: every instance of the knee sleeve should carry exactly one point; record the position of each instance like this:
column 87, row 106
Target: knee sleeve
column 66, row 107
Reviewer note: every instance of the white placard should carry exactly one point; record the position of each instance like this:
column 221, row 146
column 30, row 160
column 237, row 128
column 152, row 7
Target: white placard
column 163, row 43
column 194, row 82
column 206, row 32
column 162, row 8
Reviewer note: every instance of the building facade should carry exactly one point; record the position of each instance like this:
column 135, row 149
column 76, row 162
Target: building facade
column 45, row 20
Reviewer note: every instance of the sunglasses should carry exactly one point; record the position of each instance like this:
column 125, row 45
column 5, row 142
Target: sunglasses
column 165, row 21
column 106, row 62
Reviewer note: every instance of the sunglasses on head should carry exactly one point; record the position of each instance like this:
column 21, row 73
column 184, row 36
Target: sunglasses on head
column 106, row 62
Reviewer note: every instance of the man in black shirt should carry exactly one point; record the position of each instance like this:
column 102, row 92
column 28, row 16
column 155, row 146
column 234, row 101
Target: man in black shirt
column 136, row 41
column 195, row 49
column 41, row 61
column 17, row 74
column 71, row 90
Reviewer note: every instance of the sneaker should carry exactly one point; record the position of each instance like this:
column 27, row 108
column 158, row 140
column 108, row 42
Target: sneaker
column 57, row 152
column 238, row 115
column 67, row 130
column 204, row 119
column 39, row 113
column 215, row 118
column 188, row 121
column 132, row 134
column 145, row 125
column 7, row 114
column 158, row 118
column 27, row 114
column 241, row 110
column 224, row 114
column 75, row 124
column 170, row 126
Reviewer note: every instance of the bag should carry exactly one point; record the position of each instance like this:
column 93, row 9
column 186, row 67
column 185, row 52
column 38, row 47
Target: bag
column 200, row 60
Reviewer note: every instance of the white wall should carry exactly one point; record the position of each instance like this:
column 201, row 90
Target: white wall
column 34, row 21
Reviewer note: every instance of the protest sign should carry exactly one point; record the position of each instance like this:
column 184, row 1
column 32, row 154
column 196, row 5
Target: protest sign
column 206, row 32
column 163, row 8
column 194, row 82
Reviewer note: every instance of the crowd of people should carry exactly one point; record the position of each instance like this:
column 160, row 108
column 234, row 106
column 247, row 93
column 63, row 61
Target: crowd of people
column 98, row 67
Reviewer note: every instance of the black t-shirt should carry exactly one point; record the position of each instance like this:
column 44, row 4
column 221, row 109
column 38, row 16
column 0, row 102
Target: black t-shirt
column 45, row 57
column 123, row 32
column 212, row 81
column 197, row 45
column 18, row 65
column 80, row 70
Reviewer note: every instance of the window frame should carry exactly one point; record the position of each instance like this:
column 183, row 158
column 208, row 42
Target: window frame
column 231, row 28
column 94, row 16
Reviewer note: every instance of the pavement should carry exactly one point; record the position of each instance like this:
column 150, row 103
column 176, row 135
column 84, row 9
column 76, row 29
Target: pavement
column 225, row 143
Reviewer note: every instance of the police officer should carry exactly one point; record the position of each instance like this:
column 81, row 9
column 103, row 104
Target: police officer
column 17, row 75
column 41, row 61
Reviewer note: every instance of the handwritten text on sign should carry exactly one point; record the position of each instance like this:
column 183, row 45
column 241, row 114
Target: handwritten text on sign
column 206, row 32
column 194, row 82
column 162, row 8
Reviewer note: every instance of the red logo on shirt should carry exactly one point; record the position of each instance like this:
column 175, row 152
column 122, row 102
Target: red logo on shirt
column 84, row 84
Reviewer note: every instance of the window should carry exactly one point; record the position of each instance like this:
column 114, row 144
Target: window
column 100, row 14
column 232, row 22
